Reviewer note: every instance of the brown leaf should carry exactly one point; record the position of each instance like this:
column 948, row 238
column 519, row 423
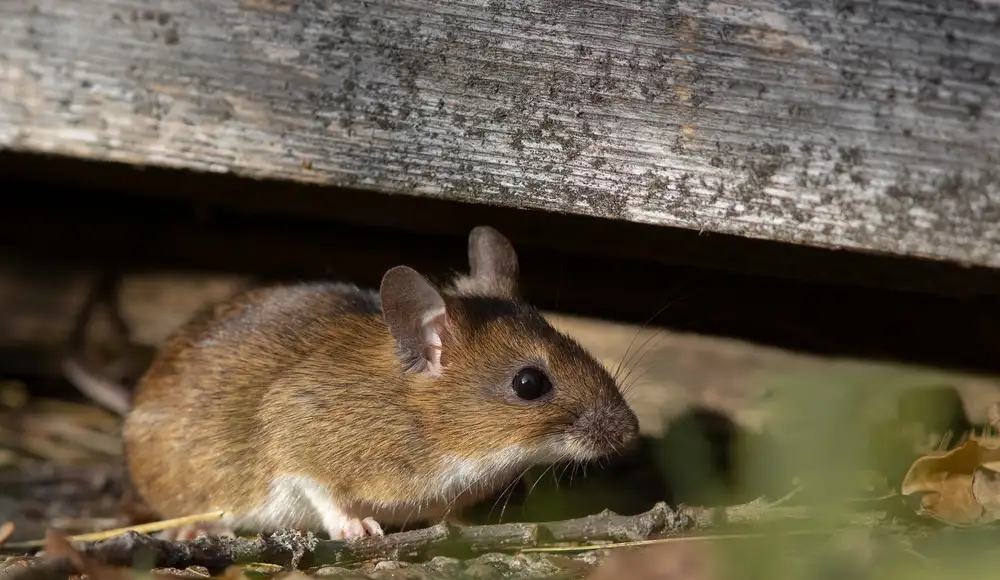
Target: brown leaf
column 986, row 490
column 989, row 456
column 669, row 561
column 5, row 531
column 957, row 486
column 57, row 545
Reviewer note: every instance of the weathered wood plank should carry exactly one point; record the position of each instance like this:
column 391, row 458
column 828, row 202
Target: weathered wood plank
column 866, row 125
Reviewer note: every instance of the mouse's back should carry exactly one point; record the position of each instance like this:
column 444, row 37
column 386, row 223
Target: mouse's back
column 195, row 412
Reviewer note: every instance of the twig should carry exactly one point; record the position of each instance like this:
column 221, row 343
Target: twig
column 676, row 539
column 144, row 528
column 104, row 392
column 297, row 550
column 442, row 538
column 36, row 569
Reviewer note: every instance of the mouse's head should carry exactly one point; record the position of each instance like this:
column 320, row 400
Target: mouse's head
column 506, row 387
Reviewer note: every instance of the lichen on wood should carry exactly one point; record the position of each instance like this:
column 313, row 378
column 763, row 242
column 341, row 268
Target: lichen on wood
column 869, row 126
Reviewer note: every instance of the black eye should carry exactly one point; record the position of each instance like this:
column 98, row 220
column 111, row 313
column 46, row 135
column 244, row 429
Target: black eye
column 530, row 383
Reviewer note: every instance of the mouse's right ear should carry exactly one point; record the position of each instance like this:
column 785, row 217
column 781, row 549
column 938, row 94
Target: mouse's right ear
column 415, row 313
column 492, row 262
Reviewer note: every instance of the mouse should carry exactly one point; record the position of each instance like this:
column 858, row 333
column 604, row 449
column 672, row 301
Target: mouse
column 328, row 407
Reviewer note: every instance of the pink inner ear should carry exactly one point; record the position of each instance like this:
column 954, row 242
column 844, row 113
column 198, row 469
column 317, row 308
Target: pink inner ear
column 431, row 325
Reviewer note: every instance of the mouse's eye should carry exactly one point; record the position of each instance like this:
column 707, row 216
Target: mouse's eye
column 530, row 383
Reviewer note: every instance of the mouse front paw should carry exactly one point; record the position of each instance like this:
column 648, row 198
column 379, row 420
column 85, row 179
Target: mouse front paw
column 355, row 528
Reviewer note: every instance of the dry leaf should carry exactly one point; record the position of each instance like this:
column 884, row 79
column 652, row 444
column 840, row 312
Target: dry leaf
column 957, row 486
column 989, row 457
column 57, row 545
column 668, row 561
column 986, row 491
column 5, row 531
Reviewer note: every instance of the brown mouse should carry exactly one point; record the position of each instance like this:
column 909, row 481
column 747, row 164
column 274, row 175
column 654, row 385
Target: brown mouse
column 322, row 406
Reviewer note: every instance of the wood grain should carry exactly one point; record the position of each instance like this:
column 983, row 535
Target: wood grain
column 865, row 125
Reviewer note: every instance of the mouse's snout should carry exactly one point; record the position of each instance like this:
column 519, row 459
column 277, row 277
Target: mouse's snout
column 609, row 428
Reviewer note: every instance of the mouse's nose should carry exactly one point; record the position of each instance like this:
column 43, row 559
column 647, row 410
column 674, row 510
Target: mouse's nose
column 630, row 429
column 612, row 428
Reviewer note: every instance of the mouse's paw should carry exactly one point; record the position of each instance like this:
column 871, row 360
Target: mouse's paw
column 192, row 531
column 356, row 528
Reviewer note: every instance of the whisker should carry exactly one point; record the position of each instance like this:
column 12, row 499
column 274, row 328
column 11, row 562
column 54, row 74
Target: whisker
column 503, row 510
column 625, row 390
column 638, row 362
column 451, row 504
column 413, row 512
column 635, row 336
column 563, row 473
column 637, row 332
column 532, row 488
column 508, row 491
column 661, row 335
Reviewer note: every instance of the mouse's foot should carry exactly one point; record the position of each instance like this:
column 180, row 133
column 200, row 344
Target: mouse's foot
column 355, row 528
column 192, row 531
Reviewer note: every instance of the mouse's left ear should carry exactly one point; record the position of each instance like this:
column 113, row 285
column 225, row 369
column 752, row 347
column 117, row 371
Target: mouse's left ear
column 415, row 313
column 493, row 267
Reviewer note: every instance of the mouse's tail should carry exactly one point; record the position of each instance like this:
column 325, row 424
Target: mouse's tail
column 102, row 391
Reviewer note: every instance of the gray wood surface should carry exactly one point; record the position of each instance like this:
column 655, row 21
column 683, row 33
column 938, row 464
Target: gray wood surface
column 871, row 125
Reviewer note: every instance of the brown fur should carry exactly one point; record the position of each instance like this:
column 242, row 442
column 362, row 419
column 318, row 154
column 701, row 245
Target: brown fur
column 304, row 380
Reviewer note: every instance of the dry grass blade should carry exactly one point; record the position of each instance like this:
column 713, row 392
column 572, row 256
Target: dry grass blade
column 673, row 540
column 44, row 446
column 75, row 433
column 84, row 414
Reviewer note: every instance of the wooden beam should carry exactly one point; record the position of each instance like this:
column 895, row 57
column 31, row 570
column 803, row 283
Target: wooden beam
column 863, row 125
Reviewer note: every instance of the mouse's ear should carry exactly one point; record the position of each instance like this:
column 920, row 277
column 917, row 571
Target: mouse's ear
column 415, row 313
column 493, row 265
